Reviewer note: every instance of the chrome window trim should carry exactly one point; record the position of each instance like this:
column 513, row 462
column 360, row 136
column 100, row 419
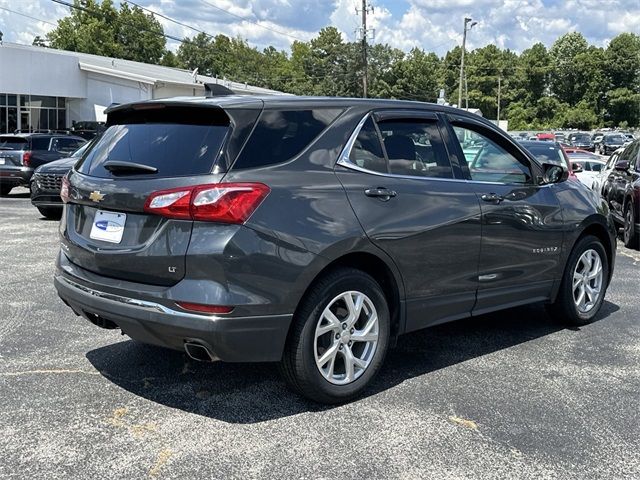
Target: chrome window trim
column 345, row 161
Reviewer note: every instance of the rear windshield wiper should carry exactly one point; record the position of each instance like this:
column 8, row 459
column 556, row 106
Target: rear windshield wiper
column 116, row 166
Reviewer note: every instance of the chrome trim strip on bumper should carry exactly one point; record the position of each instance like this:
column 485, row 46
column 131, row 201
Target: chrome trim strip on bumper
column 142, row 304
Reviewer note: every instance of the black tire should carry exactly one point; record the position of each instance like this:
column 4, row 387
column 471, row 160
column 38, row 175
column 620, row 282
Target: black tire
column 298, row 365
column 5, row 190
column 52, row 213
column 630, row 235
column 564, row 309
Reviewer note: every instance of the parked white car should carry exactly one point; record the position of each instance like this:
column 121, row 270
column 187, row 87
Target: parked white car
column 598, row 180
column 590, row 167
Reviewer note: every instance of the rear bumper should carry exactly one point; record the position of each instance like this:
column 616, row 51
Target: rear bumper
column 10, row 175
column 144, row 314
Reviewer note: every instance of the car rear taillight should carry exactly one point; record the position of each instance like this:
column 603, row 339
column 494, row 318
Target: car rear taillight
column 64, row 190
column 219, row 202
column 26, row 159
column 201, row 308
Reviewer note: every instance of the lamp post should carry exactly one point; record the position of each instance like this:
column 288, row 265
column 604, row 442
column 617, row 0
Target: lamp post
column 467, row 20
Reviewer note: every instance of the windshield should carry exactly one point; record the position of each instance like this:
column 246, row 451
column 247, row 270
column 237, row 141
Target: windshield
column 13, row 143
column 79, row 152
column 615, row 139
column 582, row 138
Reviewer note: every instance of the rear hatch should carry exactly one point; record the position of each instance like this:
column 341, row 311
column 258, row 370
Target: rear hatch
column 146, row 148
column 11, row 150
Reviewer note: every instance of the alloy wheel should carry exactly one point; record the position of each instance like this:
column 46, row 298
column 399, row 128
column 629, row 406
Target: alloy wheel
column 587, row 281
column 346, row 337
column 628, row 226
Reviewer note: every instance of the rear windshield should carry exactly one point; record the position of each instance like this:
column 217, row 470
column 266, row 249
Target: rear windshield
column 546, row 153
column 170, row 143
column 281, row 135
column 13, row 143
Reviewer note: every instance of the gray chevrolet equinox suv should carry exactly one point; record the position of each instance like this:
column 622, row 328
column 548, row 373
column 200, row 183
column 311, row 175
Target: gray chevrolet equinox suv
column 315, row 231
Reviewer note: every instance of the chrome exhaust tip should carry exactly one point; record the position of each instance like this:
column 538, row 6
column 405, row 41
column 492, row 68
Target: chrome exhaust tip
column 199, row 352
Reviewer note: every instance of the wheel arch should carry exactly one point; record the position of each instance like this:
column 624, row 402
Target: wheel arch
column 379, row 269
column 602, row 233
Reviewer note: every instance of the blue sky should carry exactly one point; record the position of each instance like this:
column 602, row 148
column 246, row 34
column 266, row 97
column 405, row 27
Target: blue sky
column 434, row 25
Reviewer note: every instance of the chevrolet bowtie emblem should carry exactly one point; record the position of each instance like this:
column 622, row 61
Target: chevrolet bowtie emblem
column 96, row 196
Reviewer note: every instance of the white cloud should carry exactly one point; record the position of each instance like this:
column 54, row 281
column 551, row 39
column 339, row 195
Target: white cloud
column 434, row 25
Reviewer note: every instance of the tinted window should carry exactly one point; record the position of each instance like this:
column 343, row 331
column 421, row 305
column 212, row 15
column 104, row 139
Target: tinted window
column 174, row 149
column 367, row 151
column 280, row 135
column 40, row 143
column 488, row 161
column 66, row 145
column 414, row 147
column 13, row 143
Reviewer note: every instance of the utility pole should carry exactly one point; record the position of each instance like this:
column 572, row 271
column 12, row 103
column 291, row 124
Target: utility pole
column 365, row 33
column 464, row 43
column 499, row 80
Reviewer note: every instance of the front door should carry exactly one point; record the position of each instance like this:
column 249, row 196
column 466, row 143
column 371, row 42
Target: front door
column 402, row 187
column 522, row 224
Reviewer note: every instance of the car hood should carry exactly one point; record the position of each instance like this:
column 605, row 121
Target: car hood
column 58, row 166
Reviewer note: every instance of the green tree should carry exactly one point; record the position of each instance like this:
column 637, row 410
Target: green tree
column 622, row 61
column 566, row 74
column 99, row 28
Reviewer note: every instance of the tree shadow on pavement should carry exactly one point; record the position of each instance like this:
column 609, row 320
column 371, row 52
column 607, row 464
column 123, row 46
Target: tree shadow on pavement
column 250, row 393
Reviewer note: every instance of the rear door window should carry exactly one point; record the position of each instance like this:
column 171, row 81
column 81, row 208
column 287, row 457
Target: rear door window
column 281, row 135
column 414, row 147
column 40, row 143
column 367, row 150
column 166, row 141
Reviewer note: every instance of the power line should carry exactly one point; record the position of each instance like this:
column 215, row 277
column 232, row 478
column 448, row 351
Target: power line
column 94, row 13
column 253, row 22
column 169, row 18
column 27, row 16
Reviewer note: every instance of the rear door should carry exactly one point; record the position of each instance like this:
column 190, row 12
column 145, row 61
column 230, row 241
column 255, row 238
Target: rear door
column 105, row 229
column 522, row 226
column 412, row 203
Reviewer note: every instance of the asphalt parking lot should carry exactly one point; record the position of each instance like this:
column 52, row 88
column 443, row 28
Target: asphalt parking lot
column 509, row 395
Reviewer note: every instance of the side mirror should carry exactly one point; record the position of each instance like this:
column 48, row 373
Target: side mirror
column 576, row 168
column 622, row 166
column 554, row 173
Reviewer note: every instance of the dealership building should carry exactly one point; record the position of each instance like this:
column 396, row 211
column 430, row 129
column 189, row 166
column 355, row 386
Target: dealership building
column 47, row 89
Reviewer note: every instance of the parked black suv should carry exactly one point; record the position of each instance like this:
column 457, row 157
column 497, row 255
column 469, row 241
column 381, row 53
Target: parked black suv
column 581, row 140
column 610, row 143
column 622, row 191
column 313, row 232
column 46, row 183
column 20, row 154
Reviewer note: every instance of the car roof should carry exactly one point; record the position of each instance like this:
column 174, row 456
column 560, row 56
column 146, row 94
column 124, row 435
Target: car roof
column 283, row 101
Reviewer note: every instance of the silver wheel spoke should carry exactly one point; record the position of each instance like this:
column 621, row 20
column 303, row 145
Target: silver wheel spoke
column 335, row 335
column 587, row 281
column 328, row 355
column 348, row 363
